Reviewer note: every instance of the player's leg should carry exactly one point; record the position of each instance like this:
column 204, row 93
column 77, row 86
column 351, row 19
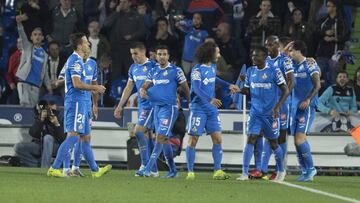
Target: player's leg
column 75, row 169
column 258, row 151
column 144, row 118
column 305, row 119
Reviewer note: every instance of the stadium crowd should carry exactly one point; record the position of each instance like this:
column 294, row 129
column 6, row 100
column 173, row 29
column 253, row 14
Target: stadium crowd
column 237, row 26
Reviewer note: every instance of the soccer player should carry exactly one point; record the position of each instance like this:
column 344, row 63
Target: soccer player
column 281, row 61
column 204, row 108
column 161, row 89
column 262, row 83
column 137, row 75
column 76, row 115
column 303, row 105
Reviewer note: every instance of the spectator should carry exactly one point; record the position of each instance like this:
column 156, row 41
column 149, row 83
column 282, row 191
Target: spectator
column 332, row 35
column 55, row 63
column 65, row 19
column 338, row 63
column 38, row 15
column 14, row 61
column 172, row 12
column 262, row 25
column 193, row 38
column 339, row 99
column 357, row 87
column 121, row 39
column 47, row 134
column 143, row 9
column 99, row 44
column 103, row 75
column 212, row 14
column 32, row 69
column 297, row 29
column 161, row 36
column 92, row 9
column 232, row 50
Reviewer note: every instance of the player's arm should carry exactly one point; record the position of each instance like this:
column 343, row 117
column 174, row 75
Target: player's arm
column 143, row 90
column 94, row 98
column 186, row 90
column 284, row 94
column 233, row 88
column 83, row 86
column 315, row 79
column 290, row 80
column 124, row 97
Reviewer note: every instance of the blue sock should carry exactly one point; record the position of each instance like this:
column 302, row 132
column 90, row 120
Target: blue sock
column 283, row 147
column 143, row 148
column 248, row 153
column 265, row 157
column 168, row 154
column 258, row 149
column 279, row 159
column 77, row 154
column 217, row 156
column 300, row 159
column 64, row 150
column 151, row 144
column 89, row 156
column 190, row 158
column 67, row 160
column 306, row 155
column 154, row 156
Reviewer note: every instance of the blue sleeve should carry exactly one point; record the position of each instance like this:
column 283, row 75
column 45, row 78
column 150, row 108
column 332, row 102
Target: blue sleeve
column 324, row 100
column 75, row 68
column 222, row 82
column 196, row 85
column 95, row 72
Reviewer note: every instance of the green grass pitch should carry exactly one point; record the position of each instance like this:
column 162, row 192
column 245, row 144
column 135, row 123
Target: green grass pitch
column 32, row 185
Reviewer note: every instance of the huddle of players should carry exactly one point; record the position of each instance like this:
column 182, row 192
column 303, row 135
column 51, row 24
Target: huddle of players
column 269, row 83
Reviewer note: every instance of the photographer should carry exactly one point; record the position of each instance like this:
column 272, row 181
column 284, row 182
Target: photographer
column 47, row 134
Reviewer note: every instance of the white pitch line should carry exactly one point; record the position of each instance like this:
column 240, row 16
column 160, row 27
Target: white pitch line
column 318, row 192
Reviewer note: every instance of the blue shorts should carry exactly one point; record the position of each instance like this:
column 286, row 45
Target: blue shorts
column 284, row 116
column 77, row 118
column 267, row 123
column 200, row 121
column 301, row 120
column 145, row 117
column 164, row 119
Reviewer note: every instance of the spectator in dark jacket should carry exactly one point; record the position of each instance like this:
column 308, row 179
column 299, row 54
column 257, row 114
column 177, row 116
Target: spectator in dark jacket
column 47, row 134
column 38, row 15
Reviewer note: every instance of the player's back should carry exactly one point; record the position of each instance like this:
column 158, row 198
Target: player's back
column 165, row 82
column 138, row 73
column 207, row 77
column 263, row 85
column 74, row 67
column 303, row 82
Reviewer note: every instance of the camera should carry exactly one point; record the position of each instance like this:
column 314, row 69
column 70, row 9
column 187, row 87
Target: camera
column 44, row 106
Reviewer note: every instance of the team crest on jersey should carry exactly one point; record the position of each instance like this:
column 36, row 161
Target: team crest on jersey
column 164, row 122
column 288, row 62
column 165, row 73
column 77, row 67
column 264, row 76
column 302, row 120
column 80, row 126
column 144, row 69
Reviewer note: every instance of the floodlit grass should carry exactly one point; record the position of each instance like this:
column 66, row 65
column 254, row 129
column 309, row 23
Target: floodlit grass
column 32, row 185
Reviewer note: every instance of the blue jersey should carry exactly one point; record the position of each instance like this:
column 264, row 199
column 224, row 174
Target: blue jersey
column 74, row 67
column 138, row 73
column 303, row 83
column 37, row 62
column 165, row 82
column 207, row 76
column 91, row 75
column 263, row 85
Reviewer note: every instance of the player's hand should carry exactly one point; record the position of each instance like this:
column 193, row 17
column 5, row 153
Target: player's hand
column 143, row 93
column 304, row 104
column 242, row 77
column 275, row 112
column 334, row 113
column 99, row 89
column 118, row 112
column 95, row 111
column 216, row 102
column 234, row 89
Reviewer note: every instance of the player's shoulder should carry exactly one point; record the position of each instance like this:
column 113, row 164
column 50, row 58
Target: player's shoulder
column 311, row 64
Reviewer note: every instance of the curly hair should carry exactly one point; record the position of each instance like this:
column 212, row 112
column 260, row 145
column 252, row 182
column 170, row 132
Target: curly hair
column 205, row 53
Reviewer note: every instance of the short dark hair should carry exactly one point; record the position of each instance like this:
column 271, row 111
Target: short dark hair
column 162, row 46
column 273, row 38
column 75, row 39
column 335, row 2
column 261, row 49
column 284, row 40
column 342, row 72
column 300, row 46
column 205, row 52
column 162, row 18
column 54, row 42
column 138, row 45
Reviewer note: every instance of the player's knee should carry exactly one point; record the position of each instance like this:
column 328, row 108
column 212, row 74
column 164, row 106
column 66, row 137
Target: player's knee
column 299, row 139
column 161, row 139
column 193, row 141
column 252, row 139
column 216, row 138
column 282, row 137
column 273, row 144
column 85, row 138
column 72, row 134
column 139, row 128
